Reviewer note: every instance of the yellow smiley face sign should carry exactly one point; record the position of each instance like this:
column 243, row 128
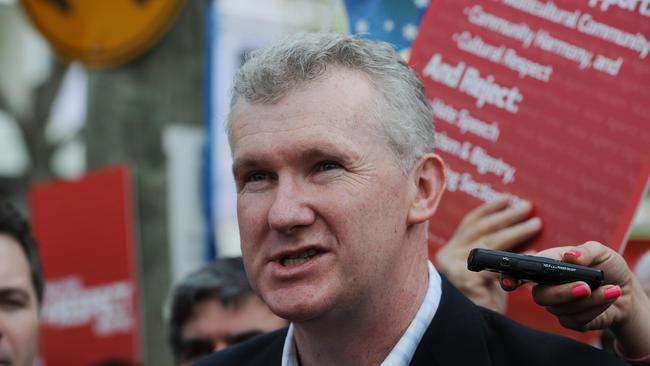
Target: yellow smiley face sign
column 102, row 33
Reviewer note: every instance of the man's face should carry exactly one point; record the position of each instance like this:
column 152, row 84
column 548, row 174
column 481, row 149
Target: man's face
column 18, row 306
column 322, row 204
column 214, row 326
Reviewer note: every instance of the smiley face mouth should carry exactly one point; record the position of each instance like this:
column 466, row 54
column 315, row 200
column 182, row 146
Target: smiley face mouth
column 297, row 259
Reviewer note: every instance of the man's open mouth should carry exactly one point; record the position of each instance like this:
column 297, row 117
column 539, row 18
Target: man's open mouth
column 299, row 258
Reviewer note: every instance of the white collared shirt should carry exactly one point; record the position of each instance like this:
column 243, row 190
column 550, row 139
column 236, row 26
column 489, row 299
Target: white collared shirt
column 404, row 350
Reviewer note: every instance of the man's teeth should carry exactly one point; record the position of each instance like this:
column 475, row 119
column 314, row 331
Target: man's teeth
column 298, row 259
column 294, row 262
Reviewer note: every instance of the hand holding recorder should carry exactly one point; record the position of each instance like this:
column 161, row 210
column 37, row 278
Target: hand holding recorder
column 619, row 304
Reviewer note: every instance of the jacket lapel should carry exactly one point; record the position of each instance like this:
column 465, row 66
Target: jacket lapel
column 456, row 334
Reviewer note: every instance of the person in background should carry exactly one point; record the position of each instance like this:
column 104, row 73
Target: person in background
column 21, row 289
column 213, row 308
column 332, row 144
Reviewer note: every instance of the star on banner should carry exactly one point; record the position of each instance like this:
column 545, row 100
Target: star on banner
column 393, row 21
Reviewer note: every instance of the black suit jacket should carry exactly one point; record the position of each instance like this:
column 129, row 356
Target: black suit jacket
column 461, row 333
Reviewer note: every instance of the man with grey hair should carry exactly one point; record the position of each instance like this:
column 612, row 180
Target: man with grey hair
column 332, row 141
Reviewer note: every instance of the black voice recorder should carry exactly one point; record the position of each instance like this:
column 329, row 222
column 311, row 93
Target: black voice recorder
column 533, row 268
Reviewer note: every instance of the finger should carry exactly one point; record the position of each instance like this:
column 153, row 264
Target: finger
column 583, row 321
column 588, row 254
column 486, row 208
column 583, row 315
column 582, row 301
column 468, row 279
column 594, row 254
column 492, row 298
column 509, row 283
column 552, row 295
column 507, row 217
column 509, row 237
column 473, row 286
column 581, row 254
column 555, row 252
column 490, row 276
column 484, row 291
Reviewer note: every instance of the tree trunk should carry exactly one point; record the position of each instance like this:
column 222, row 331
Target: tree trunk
column 128, row 107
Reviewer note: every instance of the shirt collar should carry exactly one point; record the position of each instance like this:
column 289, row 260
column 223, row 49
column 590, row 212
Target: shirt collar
column 405, row 348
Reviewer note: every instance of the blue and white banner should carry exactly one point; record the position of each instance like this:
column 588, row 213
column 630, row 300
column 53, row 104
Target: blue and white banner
column 393, row 21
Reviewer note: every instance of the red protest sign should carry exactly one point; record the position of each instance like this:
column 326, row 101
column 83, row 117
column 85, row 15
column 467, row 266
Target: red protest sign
column 544, row 100
column 85, row 234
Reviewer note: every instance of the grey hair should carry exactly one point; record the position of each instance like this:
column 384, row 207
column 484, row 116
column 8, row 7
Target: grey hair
column 404, row 115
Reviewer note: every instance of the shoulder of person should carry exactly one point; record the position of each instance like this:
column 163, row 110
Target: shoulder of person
column 523, row 345
column 462, row 331
column 262, row 350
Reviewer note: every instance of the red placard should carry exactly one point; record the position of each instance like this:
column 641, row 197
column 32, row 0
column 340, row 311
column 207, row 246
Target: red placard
column 634, row 250
column 85, row 234
column 547, row 100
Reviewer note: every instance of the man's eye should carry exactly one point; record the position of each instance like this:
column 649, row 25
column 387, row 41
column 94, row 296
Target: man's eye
column 328, row 165
column 12, row 304
column 256, row 177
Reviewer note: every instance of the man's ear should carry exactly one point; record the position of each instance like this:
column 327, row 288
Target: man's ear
column 429, row 178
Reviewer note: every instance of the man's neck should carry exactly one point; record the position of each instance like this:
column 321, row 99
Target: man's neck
column 367, row 336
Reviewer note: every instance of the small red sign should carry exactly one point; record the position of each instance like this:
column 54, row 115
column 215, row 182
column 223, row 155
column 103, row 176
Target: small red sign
column 85, row 234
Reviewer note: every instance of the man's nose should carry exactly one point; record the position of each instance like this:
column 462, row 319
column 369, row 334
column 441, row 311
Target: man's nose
column 290, row 209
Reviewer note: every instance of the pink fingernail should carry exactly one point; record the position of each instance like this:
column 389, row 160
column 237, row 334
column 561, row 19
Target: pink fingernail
column 612, row 293
column 506, row 283
column 579, row 291
column 574, row 252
